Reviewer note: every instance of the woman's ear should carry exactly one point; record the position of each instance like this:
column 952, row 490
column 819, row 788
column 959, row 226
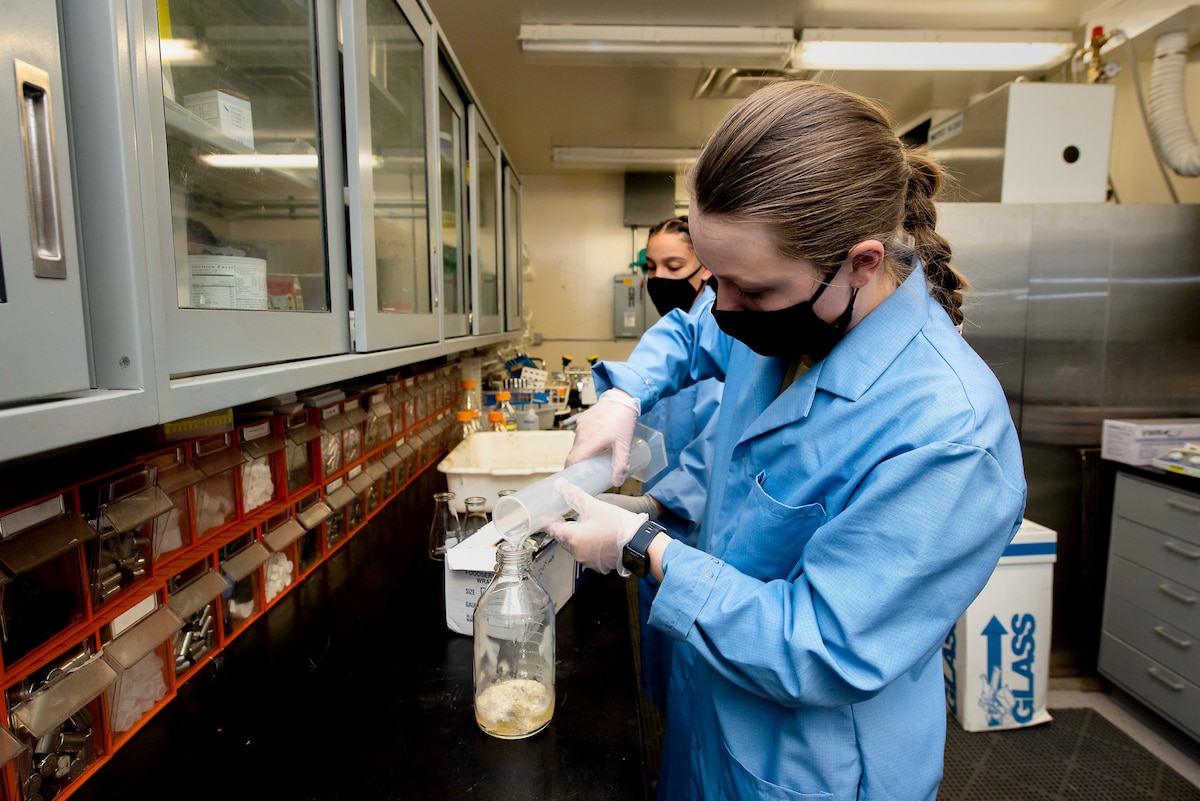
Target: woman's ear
column 865, row 259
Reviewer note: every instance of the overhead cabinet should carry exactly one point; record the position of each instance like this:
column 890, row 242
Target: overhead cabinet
column 272, row 196
column 41, row 296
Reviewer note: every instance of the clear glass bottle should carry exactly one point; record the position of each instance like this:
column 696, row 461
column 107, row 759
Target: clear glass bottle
column 464, row 426
column 445, row 531
column 514, row 646
column 476, row 517
column 496, row 422
column 505, row 407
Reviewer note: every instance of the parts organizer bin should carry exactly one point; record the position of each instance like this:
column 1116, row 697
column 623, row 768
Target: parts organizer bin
column 490, row 461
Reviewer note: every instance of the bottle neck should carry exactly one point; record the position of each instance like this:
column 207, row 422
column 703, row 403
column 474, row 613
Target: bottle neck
column 513, row 559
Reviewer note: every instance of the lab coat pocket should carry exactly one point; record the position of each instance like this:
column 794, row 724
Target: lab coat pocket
column 739, row 784
column 771, row 535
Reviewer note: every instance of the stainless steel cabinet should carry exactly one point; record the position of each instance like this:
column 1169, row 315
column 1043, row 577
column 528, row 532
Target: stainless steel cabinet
column 1151, row 628
column 389, row 54
column 224, row 252
column 485, row 219
column 514, row 288
column 453, row 244
column 41, row 294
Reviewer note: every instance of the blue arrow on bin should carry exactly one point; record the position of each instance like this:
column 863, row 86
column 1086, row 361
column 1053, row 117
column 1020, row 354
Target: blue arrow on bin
column 994, row 630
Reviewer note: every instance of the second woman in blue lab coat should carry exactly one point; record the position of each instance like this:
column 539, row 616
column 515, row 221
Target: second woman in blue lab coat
column 678, row 284
column 866, row 478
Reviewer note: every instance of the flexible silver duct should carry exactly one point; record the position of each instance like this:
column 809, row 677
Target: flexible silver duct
column 1168, row 110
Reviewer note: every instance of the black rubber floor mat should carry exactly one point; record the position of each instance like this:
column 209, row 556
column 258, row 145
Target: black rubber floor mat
column 1077, row 756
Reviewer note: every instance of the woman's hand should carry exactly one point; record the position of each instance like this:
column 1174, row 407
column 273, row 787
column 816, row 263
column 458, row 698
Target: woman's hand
column 607, row 426
column 601, row 532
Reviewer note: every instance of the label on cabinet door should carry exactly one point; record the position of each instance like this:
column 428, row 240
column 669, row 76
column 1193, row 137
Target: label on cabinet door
column 228, row 282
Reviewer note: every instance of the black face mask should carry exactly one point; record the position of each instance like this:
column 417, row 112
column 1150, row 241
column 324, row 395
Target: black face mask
column 794, row 331
column 673, row 293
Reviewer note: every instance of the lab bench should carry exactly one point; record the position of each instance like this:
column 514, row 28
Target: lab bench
column 352, row 687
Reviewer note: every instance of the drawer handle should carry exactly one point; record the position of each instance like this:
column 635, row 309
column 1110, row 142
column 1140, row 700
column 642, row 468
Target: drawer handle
column 1184, row 507
column 1171, row 592
column 1164, row 680
column 1179, row 549
column 1171, row 638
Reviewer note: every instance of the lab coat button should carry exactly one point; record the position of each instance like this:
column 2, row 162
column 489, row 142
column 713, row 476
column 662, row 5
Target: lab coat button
column 708, row 574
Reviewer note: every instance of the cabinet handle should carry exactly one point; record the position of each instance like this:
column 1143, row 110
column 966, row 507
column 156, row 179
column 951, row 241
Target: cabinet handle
column 1190, row 508
column 41, row 171
column 1164, row 680
column 1171, row 638
column 1171, row 592
column 1179, row 549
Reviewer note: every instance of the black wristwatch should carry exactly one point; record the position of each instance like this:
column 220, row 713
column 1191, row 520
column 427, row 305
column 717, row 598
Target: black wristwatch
column 633, row 556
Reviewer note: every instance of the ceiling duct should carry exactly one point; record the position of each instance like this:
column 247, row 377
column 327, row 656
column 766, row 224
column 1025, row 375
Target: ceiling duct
column 736, row 83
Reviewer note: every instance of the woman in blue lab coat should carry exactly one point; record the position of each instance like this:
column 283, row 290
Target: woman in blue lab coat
column 866, row 478
column 678, row 284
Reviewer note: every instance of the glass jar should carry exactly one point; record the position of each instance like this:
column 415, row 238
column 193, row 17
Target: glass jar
column 445, row 530
column 496, row 422
column 514, row 643
column 476, row 517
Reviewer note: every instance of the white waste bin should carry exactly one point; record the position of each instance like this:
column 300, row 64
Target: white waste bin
column 996, row 659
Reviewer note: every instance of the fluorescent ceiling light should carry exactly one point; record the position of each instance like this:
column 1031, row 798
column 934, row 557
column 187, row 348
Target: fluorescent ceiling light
column 263, row 161
column 924, row 50
column 663, row 45
column 633, row 156
column 184, row 51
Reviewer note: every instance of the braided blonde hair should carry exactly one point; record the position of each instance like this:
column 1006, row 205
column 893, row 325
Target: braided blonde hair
column 823, row 169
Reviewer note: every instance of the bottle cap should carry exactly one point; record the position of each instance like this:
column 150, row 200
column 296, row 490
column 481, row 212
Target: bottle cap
column 494, row 417
column 469, row 383
column 462, row 417
column 503, row 396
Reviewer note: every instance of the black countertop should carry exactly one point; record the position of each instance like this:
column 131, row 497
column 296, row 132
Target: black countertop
column 352, row 687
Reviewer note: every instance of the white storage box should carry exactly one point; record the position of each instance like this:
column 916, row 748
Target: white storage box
column 490, row 461
column 1137, row 442
column 471, row 564
column 996, row 659
column 228, row 112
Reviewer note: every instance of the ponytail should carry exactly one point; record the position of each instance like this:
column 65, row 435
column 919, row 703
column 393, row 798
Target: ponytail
column 946, row 284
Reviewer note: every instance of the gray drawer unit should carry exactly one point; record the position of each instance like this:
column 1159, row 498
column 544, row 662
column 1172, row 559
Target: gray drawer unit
column 1170, row 511
column 1171, row 556
column 1174, row 603
column 1166, row 644
column 1151, row 627
column 1176, row 699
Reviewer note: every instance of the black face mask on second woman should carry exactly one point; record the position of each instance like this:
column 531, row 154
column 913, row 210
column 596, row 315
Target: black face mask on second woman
column 794, row 331
column 673, row 293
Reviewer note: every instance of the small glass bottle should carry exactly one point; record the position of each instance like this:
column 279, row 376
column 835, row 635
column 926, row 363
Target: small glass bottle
column 496, row 422
column 464, row 426
column 514, row 646
column 445, row 531
column 468, row 401
column 476, row 517
column 505, row 407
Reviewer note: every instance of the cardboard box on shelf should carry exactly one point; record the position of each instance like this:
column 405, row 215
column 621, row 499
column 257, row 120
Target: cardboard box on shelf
column 1138, row 442
column 470, row 566
column 226, row 111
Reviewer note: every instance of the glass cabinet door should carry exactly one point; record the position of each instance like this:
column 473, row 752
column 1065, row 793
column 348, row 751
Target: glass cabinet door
column 247, row 165
column 388, row 50
column 484, row 217
column 452, row 186
column 514, row 299
column 41, row 298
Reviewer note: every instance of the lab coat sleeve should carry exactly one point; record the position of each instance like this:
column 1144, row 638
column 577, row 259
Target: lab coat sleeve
column 684, row 489
column 678, row 350
column 880, row 583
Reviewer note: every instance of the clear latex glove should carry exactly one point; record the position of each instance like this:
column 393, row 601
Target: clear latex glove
column 602, row 531
column 607, row 426
column 638, row 504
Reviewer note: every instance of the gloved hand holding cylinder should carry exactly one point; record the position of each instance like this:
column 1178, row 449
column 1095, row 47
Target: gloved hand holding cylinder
column 529, row 510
